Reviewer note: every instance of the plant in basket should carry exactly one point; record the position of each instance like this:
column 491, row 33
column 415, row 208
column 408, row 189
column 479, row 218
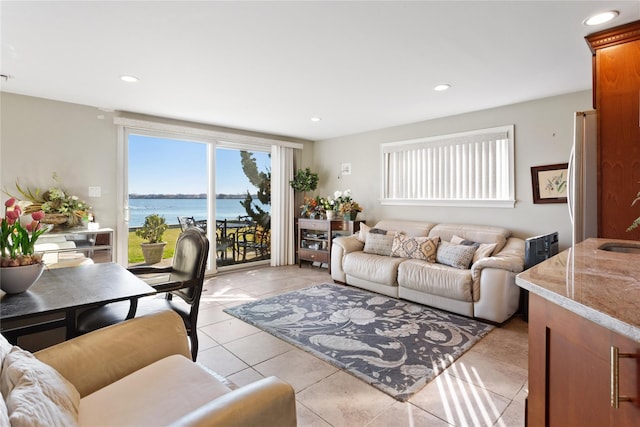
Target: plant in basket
column 60, row 208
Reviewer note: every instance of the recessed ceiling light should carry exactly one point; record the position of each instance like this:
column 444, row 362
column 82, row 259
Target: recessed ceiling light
column 129, row 79
column 601, row 18
column 315, row 119
column 440, row 88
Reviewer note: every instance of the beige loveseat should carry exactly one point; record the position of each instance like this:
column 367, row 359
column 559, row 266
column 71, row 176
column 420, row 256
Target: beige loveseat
column 136, row 373
column 407, row 259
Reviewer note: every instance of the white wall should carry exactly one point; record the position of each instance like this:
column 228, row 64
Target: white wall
column 40, row 136
column 77, row 142
column 543, row 135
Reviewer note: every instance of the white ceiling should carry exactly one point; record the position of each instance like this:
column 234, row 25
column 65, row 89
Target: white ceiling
column 271, row 66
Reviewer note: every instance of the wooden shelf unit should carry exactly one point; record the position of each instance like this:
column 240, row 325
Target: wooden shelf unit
column 315, row 237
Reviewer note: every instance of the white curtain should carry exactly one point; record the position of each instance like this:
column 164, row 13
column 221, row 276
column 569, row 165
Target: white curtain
column 282, row 203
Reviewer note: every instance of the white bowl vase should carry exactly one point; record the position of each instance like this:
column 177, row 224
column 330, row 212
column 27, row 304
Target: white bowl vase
column 15, row 280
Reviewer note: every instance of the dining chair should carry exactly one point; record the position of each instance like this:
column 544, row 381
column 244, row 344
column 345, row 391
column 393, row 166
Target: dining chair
column 185, row 281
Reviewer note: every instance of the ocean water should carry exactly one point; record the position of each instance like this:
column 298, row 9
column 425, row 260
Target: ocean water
column 171, row 209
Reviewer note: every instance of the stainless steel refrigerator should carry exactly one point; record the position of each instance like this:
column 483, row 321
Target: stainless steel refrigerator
column 582, row 194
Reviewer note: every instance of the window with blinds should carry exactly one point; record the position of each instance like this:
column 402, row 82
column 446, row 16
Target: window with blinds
column 464, row 169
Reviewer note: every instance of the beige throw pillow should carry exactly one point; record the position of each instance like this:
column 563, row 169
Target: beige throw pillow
column 36, row 394
column 423, row 248
column 484, row 249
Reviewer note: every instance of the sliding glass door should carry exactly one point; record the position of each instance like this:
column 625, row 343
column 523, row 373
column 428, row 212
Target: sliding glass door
column 224, row 191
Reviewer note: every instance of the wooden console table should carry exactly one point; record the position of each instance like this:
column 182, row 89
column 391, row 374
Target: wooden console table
column 315, row 237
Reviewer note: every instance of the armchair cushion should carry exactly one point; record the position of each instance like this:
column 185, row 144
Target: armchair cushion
column 158, row 394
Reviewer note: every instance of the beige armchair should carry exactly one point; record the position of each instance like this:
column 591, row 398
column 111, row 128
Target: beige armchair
column 139, row 372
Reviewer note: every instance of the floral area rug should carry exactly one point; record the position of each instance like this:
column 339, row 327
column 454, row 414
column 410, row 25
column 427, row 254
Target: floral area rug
column 394, row 345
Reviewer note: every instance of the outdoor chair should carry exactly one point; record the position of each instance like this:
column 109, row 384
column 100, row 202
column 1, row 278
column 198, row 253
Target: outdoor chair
column 189, row 221
column 253, row 238
column 185, row 281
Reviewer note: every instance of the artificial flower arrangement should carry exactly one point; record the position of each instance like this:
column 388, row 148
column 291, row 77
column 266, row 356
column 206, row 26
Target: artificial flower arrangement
column 17, row 242
column 310, row 207
column 345, row 203
column 342, row 203
column 55, row 201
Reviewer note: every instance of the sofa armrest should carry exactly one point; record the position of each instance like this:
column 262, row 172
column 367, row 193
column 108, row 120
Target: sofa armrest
column 340, row 247
column 97, row 359
column 510, row 258
column 268, row 402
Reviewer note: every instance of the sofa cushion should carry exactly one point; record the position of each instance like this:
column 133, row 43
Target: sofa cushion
column 415, row 247
column 35, row 393
column 436, row 279
column 475, row 233
column 362, row 233
column 484, row 250
column 458, row 256
column 373, row 268
column 410, row 228
column 158, row 394
column 378, row 244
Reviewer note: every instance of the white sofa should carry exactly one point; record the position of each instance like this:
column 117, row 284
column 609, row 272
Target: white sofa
column 136, row 373
column 484, row 289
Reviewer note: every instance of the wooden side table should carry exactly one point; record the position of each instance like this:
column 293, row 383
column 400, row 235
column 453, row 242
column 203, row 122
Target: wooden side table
column 315, row 237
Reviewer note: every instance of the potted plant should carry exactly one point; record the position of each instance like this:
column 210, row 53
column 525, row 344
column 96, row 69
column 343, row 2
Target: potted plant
column 304, row 180
column 21, row 266
column 152, row 230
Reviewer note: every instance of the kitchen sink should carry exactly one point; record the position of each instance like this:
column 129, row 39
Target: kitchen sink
column 627, row 248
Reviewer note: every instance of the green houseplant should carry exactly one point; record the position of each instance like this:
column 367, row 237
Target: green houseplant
column 303, row 181
column 152, row 230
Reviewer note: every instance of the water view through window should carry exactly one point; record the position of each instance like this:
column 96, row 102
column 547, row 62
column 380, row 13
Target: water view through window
column 168, row 177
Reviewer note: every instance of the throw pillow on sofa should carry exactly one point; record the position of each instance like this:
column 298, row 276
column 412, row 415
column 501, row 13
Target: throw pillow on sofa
column 484, row 249
column 378, row 244
column 458, row 256
column 35, row 393
column 423, row 248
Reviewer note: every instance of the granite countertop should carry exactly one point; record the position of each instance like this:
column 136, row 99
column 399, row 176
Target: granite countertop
column 599, row 285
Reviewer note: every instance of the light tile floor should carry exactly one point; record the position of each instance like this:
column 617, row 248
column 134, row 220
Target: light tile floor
column 487, row 386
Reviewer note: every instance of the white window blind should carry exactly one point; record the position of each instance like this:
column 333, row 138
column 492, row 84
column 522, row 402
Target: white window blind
column 464, row 169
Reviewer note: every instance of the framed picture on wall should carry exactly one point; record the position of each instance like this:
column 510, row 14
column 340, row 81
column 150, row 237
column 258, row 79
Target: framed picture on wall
column 550, row 183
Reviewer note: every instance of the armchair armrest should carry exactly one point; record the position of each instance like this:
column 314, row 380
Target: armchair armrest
column 99, row 358
column 268, row 402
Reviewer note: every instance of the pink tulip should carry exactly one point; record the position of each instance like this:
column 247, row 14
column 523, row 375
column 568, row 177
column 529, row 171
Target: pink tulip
column 37, row 216
column 30, row 226
column 13, row 215
column 10, row 202
column 18, row 209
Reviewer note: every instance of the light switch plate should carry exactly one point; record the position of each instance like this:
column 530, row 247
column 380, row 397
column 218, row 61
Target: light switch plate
column 95, row 192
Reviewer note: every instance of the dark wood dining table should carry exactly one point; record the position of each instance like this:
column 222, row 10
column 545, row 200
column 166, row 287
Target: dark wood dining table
column 64, row 291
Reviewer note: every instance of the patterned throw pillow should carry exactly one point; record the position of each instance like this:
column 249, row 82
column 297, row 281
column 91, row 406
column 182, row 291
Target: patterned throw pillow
column 458, row 256
column 362, row 234
column 484, row 249
column 379, row 244
column 415, row 247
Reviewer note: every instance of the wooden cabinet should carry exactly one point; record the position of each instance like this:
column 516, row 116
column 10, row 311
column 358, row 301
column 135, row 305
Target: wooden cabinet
column 616, row 81
column 570, row 370
column 315, row 238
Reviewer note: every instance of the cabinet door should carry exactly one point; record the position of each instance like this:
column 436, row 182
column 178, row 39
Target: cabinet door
column 570, row 374
column 617, row 102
